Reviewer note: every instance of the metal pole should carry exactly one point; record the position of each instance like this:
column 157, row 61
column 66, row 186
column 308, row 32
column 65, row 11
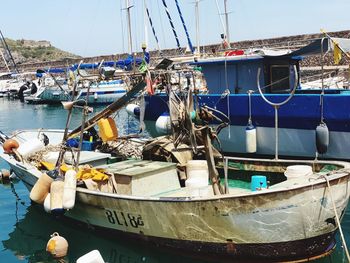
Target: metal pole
column 129, row 25
column 145, row 22
column 276, row 132
column 220, row 14
column 9, row 52
column 7, row 66
column 197, row 27
column 322, row 79
column 322, row 62
column 227, row 27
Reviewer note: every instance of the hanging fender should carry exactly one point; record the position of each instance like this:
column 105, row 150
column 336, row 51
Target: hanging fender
column 250, row 138
column 322, row 138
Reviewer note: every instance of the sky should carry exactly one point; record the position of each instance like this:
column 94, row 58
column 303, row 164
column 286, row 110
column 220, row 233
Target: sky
column 99, row 27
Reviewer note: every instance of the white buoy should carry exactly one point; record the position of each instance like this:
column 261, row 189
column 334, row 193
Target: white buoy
column 133, row 109
column 69, row 190
column 56, row 198
column 95, row 96
column 93, row 256
column 163, row 124
column 47, row 203
column 250, row 130
column 57, row 246
column 250, row 138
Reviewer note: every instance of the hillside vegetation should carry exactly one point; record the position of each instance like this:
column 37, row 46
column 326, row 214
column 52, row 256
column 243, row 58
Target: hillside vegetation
column 30, row 51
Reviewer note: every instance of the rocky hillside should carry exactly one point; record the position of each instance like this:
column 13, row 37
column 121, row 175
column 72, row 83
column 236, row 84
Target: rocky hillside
column 30, row 51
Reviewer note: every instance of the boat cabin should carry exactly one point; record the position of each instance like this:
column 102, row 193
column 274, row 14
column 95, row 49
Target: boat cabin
column 237, row 70
column 238, row 73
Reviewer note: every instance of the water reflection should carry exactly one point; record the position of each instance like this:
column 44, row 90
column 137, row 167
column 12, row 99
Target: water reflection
column 31, row 233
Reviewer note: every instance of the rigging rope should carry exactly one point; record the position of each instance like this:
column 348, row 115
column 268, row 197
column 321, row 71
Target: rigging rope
column 184, row 25
column 153, row 30
column 171, row 24
column 219, row 12
column 161, row 24
column 337, row 218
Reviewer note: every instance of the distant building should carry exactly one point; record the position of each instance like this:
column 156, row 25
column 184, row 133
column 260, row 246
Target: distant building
column 33, row 43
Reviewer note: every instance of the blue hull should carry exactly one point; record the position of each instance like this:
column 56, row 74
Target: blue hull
column 303, row 111
column 298, row 120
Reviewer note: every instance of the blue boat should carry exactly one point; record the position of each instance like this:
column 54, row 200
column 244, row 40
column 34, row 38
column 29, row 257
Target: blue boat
column 229, row 80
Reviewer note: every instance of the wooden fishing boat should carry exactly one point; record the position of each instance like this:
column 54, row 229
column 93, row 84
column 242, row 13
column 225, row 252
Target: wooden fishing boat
column 292, row 218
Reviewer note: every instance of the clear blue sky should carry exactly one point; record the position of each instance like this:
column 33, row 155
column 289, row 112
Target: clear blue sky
column 98, row 27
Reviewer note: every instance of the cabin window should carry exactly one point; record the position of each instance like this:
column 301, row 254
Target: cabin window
column 279, row 79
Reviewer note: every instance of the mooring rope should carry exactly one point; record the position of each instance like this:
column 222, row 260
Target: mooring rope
column 184, row 25
column 337, row 218
column 171, row 24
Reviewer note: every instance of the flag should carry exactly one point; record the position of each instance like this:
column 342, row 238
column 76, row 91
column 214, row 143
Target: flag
column 149, row 84
column 336, row 54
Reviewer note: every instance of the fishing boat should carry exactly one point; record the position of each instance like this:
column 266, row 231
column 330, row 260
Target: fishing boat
column 291, row 217
column 103, row 92
column 287, row 210
column 233, row 89
column 51, row 90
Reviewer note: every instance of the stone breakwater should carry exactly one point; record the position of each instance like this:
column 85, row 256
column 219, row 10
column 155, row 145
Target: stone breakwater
column 291, row 42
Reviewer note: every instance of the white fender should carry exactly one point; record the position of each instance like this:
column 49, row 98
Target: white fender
column 69, row 190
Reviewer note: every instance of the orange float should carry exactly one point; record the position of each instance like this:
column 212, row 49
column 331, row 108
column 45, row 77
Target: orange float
column 10, row 145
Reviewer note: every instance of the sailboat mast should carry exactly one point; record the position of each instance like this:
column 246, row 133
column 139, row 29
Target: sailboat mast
column 3, row 57
column 145, row 22
column 129, row 25
column 8, row 52
column 197, row 27
column 227, row 27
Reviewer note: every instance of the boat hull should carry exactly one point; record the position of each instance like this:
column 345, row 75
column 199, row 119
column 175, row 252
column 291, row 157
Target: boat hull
column 296, row 134
column 273, row 226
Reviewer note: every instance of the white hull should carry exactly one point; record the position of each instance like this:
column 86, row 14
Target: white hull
column 287, row 214
column 292, row 142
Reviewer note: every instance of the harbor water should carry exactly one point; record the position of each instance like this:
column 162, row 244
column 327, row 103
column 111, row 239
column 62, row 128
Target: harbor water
column 25, row 228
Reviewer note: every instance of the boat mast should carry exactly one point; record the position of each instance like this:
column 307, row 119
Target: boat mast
column 128, row 7
column 197, row 27
column 145, row 22
column 7, row 52
column 227, row 28
column 7, row 66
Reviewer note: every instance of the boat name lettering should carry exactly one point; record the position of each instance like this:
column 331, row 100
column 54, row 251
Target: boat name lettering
column 124, row 219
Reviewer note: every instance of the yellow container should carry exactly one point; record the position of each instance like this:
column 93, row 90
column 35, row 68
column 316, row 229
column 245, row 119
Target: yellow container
column 107, row 129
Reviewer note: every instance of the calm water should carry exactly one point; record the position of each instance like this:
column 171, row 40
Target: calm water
column 25, row 228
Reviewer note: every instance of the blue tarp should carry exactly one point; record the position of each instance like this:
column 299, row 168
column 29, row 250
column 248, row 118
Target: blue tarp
column 125, row 64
